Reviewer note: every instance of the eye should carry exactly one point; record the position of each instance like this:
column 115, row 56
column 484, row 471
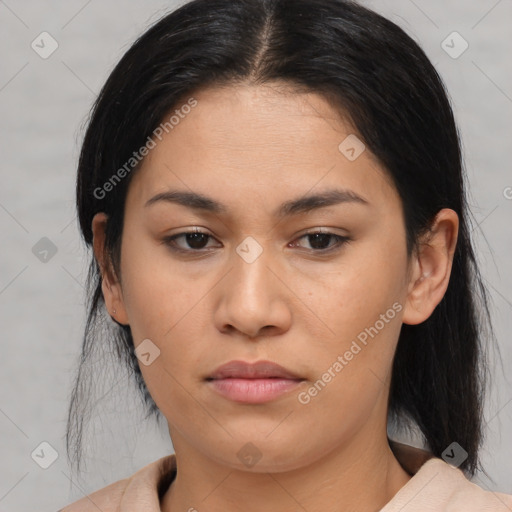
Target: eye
column 196, row 241
column 319, row 241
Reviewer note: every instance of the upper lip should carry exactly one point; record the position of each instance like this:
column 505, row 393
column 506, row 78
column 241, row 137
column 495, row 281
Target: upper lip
column 257, row 370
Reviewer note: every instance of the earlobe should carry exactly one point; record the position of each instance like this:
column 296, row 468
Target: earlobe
column 110, row 286
column 432, row 268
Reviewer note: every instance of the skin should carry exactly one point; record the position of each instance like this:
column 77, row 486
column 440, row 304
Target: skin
column 252, row 148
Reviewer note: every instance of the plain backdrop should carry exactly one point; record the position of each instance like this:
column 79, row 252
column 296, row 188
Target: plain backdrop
column 42, row 105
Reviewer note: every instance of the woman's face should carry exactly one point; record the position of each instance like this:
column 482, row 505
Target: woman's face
column 257, row 287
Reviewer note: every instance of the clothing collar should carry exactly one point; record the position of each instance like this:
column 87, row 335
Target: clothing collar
column 148, row 485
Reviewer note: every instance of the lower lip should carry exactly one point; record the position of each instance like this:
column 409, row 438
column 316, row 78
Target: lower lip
column 253, row 391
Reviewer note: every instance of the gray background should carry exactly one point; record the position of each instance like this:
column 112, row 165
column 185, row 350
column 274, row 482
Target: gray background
column 42, row 105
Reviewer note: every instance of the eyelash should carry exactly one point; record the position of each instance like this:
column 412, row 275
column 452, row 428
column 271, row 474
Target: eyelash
column 341, row 241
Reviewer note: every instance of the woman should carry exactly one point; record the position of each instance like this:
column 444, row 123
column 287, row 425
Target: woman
column 274, row 193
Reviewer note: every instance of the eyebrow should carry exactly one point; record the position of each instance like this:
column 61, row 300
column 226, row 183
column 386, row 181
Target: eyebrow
column 289, row 208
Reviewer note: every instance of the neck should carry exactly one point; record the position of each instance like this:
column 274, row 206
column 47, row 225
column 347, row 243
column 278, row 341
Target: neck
column 361, row 476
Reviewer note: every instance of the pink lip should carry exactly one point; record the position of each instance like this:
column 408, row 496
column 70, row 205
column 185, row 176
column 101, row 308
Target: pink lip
column 257, row 370
column 253, row 391
column 252, row 383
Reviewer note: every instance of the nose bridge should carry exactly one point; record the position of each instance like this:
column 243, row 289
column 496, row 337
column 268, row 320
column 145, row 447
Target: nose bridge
column 251, row 295
column 251, row 274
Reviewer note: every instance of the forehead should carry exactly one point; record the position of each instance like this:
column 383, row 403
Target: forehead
column 264, row 142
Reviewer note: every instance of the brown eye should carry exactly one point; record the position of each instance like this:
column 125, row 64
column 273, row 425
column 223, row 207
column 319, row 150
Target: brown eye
column 196, row 241
column 193, row 241
column 320, row 241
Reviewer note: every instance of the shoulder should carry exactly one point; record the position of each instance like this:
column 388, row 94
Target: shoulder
column 106, row 499
column 465, row 494
column 442, row 487
column 141, row 491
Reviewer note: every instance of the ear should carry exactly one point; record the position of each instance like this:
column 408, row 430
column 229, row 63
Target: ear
column 110, row 285
column 431, row 267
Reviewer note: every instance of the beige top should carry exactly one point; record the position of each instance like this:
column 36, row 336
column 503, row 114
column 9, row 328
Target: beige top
column 435, row 486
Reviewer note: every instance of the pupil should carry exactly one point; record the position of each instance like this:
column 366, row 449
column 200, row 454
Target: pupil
column 319, row 237
column 194, row 240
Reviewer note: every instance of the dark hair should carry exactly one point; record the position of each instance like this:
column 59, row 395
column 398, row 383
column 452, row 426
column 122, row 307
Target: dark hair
column 384, row 84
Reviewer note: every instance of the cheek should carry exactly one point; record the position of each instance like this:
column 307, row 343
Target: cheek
column 161, row 305
column 357, row 313
column 164, row 306
column 353, row 293
column 156, row 292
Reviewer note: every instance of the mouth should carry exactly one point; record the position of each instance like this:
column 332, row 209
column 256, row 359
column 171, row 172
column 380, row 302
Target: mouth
column 254, row 383
column 257, row 370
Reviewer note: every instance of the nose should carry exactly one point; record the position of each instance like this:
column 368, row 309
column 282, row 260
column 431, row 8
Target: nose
column 252, row 297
